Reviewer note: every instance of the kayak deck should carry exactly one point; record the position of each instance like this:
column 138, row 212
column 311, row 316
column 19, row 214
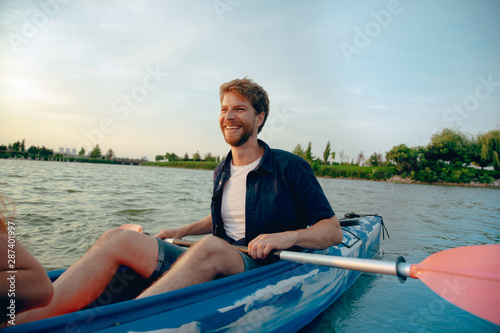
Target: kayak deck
column 283, row 296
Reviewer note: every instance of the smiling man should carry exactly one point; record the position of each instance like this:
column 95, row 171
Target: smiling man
column 266, row 199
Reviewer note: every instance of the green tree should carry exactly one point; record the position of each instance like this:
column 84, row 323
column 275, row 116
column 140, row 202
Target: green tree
column 33, row 151
column 488, row 149
column 96, row 152
column 196, row 156
column 46, row 152
column 159, row 158
column 209, row 157
column 404, row 158
column 16, row 146
column 326, row 154
column 374, row 160
column 81, row 152
column 451, row 146
column 298, row 151
column 308, row 153
column 186, row 157
column 171, row 157
column 110, row 154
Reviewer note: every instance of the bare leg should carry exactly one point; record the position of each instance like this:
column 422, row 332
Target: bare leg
column 84, row 281
column 201, row 263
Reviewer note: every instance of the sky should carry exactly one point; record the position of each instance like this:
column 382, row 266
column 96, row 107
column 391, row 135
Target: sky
column 142, row 77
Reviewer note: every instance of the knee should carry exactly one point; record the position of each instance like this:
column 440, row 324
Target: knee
column 112, row 235
column 113, row 239
column 210, row 247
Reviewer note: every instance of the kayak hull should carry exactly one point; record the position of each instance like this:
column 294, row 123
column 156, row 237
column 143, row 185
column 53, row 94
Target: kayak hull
column 283, row 296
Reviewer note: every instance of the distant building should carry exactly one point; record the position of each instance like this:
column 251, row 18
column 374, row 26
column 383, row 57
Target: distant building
column 144, row 158
column 67, row 151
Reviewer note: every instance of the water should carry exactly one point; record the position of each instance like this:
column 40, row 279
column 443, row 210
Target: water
column 62, row 208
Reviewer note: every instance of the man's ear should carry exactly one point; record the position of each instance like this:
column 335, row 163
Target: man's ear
column 260, row 119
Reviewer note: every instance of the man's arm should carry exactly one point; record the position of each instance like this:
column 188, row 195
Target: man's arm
column 323, row 234
column 201, row 227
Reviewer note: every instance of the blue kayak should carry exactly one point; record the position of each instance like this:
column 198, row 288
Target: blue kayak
column 280, row 297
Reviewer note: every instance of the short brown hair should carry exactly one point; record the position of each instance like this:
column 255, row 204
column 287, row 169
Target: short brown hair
column 250, row 90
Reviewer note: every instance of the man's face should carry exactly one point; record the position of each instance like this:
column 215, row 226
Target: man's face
column 238, row 120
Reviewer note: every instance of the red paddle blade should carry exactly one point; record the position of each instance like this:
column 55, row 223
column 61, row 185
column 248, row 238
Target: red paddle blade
column 468, row 277
column 133, row 227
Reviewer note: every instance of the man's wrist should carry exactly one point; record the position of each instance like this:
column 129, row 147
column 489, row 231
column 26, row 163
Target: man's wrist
column 296, row 237
column 181, row 232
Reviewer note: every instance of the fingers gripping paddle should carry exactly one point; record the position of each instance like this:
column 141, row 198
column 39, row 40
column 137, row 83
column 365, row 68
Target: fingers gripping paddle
column 468, row 277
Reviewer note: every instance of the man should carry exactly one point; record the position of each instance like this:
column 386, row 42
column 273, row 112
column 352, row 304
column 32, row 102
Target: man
column 264, row 198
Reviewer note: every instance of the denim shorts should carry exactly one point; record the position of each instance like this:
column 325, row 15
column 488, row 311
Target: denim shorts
column 168, row 253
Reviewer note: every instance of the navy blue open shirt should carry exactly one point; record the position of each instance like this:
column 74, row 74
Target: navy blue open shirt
column 282, row 194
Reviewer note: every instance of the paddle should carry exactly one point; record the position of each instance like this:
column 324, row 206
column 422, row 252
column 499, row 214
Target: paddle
column 468, row 277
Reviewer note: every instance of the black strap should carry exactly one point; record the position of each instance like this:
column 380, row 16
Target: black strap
column 353, row 215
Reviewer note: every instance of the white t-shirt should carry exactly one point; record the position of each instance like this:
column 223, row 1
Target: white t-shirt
column 233, row 200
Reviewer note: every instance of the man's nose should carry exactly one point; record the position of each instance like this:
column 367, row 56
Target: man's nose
column 230, row 114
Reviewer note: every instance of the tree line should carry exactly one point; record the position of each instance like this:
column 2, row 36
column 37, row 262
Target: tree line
column 19, row 147
column 172, row 157
column 450, row 146
column 451, row 156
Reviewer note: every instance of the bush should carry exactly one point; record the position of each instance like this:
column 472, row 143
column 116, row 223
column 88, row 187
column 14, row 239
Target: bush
column 185, row 164
column 353, row 171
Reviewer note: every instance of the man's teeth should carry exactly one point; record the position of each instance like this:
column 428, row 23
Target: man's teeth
column 232, row 127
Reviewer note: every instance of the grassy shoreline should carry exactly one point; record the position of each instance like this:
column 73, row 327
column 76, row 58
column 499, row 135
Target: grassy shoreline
column 385, row 174
column 354, row 172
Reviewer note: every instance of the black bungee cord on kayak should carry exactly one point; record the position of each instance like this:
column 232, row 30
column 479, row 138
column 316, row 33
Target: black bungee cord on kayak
column 353, row 215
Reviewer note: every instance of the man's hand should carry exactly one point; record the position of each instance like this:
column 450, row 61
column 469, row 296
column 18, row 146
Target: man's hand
column 263, row 244
column 322, row 234
column 170, row 233
column 201, row 227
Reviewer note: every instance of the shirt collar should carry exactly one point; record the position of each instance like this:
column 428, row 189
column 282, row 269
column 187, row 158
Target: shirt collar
column 265, row 163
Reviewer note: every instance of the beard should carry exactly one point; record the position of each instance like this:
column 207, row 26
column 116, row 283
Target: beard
column 241, row 139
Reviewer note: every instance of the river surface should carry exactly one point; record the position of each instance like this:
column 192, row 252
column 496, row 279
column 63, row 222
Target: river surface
column 62, row 208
